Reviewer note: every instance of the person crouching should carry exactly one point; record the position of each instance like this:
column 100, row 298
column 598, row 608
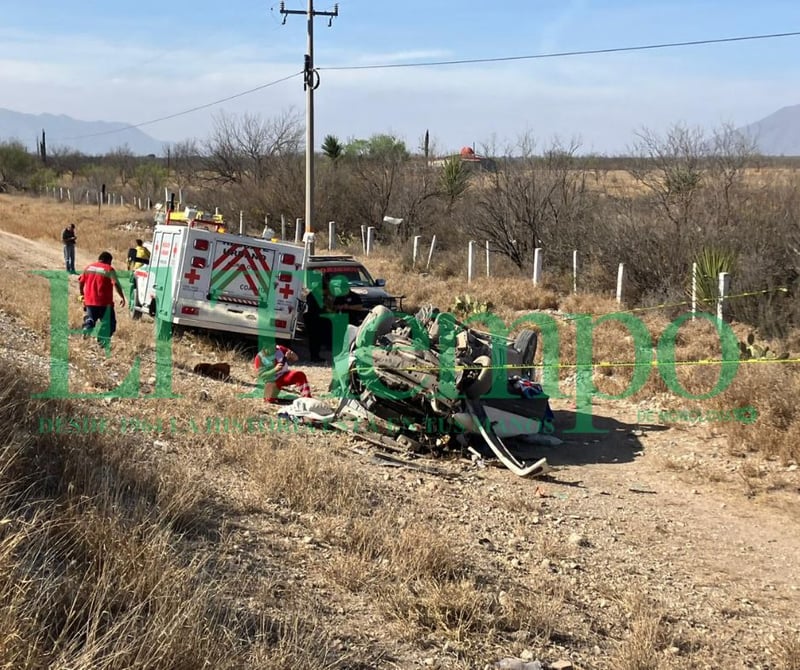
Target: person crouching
column 272, row 367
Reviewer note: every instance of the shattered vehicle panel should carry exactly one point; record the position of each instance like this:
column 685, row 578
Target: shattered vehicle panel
column 429, row 383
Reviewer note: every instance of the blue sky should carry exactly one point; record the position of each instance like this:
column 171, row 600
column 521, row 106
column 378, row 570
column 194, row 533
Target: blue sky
column 126, row 61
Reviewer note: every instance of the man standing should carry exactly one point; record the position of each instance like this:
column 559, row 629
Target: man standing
column 97, row 285
column 68, row 238
column 138, row 256
column 316, row 326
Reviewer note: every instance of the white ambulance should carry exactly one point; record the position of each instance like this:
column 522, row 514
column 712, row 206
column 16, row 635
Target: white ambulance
column 203, row 278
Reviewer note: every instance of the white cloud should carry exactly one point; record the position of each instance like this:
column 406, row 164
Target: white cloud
column 602, row 99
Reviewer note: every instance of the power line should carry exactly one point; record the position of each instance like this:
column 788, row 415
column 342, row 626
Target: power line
column 562, row 54
column 185, row 111
column 465, row 61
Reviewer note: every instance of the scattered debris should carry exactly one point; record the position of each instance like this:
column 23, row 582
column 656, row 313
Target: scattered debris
column 578, row 540
column 518, row 664
column 640, row 489
column 393, row 461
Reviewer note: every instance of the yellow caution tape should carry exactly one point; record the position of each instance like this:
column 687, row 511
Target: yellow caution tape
column 665, row 305
column 600, row 364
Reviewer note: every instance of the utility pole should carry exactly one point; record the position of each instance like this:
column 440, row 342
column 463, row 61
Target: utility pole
column 310, row 84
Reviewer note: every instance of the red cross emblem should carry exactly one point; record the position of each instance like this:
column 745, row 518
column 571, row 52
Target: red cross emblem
column 192, row 277
column 286, row 291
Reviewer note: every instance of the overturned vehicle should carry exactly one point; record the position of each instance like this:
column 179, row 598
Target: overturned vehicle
column 431, row 384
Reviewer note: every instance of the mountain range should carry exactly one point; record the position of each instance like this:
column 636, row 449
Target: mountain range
column 93, row 138
column 775, row 135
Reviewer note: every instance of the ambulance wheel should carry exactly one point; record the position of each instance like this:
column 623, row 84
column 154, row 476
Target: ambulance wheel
column 133, row 303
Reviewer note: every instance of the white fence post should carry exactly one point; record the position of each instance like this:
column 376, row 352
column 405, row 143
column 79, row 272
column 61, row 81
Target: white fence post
column 537, row 266
column 724, row 288
column 298, row 230
column 470, row 258
column 430, row 253
column 241, row 222
column 415, row 252
column 575, row 271
column 488, row 269
column 166, row 196
column 363, row 239
column 180, row 198
column 694, row 290
column 283, row 227
column 331, row 235
column 60, row 192
column 370, row 239
column 620, row 273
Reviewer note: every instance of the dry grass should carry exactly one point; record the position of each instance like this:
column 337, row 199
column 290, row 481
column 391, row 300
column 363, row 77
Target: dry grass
column 92, row 570
column 42, row 219
column 773, row 391
column 788, row 656
column 299, row 478
column 462, row 611
column 645, row 635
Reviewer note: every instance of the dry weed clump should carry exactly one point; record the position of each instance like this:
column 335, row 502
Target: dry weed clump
column 308, row 479
column 645, row 636
column 588, row 303
column 766, row 400
column 462, row 610
column 788, row 651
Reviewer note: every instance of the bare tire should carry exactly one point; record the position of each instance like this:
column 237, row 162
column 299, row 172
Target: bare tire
column 133, row 303
column 526, row 344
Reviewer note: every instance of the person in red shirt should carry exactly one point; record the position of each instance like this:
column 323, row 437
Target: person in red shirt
column 272, row 367
column 97, row 284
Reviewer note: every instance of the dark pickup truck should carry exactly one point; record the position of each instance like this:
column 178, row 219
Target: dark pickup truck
column 371, row 291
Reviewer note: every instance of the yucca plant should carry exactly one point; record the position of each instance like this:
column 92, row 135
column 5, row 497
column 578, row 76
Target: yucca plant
column 711, row 262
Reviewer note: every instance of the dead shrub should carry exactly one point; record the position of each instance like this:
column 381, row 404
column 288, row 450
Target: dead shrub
column 764, row 404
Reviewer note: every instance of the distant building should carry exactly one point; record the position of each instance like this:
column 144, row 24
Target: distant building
column 470, row 159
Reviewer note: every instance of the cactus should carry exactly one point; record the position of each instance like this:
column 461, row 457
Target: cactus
column 749, row 349
column 467, row 305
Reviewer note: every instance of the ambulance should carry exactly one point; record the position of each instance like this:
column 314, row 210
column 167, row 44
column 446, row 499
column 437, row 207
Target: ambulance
column 203, row 277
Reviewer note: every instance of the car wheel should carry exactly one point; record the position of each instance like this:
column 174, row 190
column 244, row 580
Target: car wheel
column 133, row 304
